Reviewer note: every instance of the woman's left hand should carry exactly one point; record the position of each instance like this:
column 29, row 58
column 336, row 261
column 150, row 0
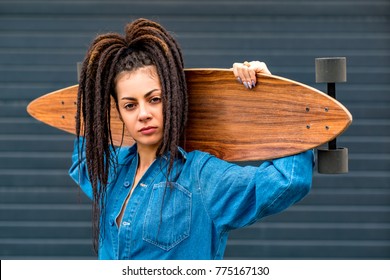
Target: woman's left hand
column 246, row 72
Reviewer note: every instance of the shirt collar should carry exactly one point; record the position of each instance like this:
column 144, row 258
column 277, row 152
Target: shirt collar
column 132, row 150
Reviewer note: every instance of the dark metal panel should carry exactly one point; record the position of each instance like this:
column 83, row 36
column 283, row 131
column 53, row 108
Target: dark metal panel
column 345, row 216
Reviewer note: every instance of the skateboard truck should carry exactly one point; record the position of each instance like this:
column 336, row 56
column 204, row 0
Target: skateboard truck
column 332, row 70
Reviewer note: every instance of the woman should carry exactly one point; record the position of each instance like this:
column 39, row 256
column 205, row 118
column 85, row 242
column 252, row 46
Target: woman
column 154, row 200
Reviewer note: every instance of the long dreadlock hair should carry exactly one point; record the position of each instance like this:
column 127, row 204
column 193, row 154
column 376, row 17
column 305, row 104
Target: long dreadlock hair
column 145, row 43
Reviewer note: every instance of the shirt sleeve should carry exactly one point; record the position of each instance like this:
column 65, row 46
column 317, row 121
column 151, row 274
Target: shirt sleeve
column 79, row 171
column 236, row 196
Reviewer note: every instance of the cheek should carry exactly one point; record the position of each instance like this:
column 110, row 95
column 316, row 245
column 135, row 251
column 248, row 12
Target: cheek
column 160, row 112
column 128, row 119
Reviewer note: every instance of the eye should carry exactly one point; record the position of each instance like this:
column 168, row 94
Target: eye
column 129, row 106
column 155, row 100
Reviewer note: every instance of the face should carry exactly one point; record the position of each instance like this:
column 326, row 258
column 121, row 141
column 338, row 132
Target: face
column 140, row 106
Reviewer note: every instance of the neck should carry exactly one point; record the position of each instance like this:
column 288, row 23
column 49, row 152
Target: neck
column 146, row 157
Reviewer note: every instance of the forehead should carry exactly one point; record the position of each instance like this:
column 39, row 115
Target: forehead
column 150, row 71
column 138, row 81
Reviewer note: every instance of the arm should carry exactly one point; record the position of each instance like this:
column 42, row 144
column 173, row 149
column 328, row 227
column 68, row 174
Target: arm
column 237, row 196
column 79, row 171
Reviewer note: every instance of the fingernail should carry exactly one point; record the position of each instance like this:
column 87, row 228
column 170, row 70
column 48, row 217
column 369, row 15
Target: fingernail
column 239, row 80
column 246, row 85
column 253, row 83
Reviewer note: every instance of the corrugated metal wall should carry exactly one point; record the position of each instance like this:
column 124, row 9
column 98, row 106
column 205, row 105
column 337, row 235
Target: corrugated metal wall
column 43, row 214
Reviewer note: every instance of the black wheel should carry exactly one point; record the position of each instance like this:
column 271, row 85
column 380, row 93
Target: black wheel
column 331, row 70
column 332, row 161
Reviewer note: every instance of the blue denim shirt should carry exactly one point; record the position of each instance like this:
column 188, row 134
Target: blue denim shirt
column 191, row 219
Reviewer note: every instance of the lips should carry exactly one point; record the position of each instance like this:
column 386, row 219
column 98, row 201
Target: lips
column 148, row 130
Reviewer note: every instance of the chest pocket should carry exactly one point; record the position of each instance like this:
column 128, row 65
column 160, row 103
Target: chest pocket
column 168, row 216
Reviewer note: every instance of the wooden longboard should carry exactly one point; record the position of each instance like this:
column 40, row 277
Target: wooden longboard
column 278, row 117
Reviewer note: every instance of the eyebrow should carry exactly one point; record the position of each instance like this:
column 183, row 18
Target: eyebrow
column 145, row 96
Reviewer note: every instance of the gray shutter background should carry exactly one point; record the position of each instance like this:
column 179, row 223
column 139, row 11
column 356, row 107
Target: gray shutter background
column 43, row 215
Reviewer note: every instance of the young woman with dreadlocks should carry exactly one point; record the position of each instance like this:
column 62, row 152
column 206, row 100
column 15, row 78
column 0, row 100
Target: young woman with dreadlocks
column 154, row 200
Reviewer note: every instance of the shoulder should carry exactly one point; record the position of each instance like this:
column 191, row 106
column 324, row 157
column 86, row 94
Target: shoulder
column 195, row 156
column 124, row 154
column 203, row 162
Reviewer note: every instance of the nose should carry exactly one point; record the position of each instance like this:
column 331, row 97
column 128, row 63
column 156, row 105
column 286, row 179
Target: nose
column 144, row 113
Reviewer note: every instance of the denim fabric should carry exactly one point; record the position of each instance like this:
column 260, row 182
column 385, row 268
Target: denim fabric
column 191, row 217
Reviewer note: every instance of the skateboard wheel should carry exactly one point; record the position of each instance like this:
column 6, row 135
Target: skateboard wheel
column 332, row 161
column 331, row 70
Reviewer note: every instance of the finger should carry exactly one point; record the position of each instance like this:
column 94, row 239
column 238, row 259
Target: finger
column 260, row 67
column 246, row 75
column 239, row 71
column 235, row 72
column 243, row 72
column 252, row 74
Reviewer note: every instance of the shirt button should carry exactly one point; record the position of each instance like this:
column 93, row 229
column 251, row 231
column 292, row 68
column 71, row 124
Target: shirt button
column 125, row 223
column 126, row 184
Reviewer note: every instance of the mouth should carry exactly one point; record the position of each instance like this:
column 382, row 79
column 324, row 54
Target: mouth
column 148, row 130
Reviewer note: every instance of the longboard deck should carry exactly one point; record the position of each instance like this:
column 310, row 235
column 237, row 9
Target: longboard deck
column 279, row 117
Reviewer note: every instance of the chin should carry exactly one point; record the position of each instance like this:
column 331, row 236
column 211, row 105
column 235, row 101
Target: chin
column 150, row 144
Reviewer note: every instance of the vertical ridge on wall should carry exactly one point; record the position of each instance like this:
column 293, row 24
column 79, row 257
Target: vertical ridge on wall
column 43, row 215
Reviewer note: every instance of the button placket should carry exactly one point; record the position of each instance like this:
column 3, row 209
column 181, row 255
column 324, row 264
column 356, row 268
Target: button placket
column 135, row 202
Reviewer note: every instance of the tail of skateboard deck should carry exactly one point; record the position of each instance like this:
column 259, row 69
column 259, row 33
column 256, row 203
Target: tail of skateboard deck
column 278, row 117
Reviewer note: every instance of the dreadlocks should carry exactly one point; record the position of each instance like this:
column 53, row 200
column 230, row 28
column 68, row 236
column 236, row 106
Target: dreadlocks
column 145, row 43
